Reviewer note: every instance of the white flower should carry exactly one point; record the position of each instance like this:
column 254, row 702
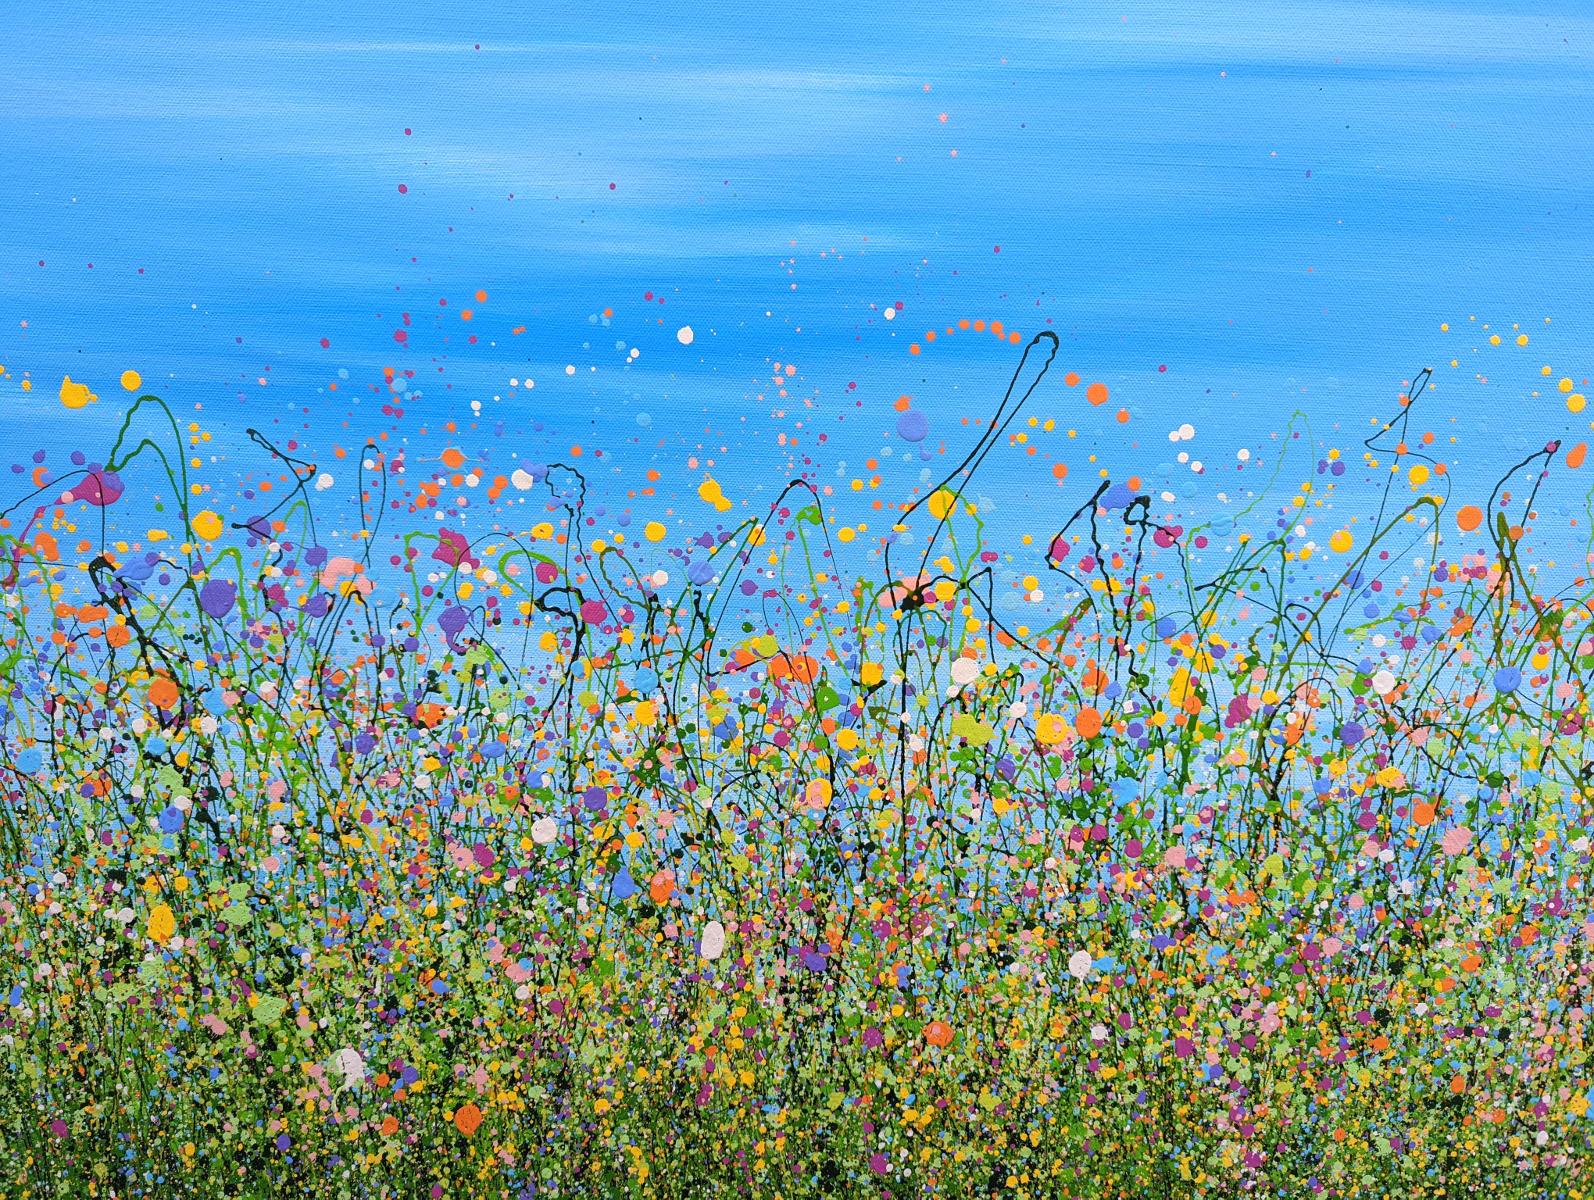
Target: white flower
column 543, row 831
column 1080, row 964
column 1383, row 683
column 965, row 671
column 350, row 1065
column 712, row 944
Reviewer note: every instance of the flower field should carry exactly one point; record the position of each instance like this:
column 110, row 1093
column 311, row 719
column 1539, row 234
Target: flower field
column 709, row 858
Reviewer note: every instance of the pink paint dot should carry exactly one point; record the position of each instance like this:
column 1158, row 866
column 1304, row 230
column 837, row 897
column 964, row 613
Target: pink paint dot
column 400, row 336
column 1162, row 367
column 996, row 249
column 406, row 131
column 403, row 188
column 325, row 342
column 611, row 187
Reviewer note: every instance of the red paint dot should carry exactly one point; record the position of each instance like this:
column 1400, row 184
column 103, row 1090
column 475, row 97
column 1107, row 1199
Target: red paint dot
column 996, row 249
column 400, row 336
column 403, row 187
column 326, row 342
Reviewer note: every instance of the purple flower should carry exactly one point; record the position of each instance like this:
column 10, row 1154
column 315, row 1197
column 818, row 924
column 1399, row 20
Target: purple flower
column 217, row 597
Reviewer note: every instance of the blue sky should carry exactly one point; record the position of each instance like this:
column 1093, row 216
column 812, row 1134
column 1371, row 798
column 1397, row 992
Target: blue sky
column 1280, row 204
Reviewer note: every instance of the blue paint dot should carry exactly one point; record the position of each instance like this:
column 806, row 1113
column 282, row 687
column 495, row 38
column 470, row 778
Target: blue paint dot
column 913, row 426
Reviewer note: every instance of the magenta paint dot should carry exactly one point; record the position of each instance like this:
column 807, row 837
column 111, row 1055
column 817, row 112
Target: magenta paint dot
column 403, row 187
column 593, row 612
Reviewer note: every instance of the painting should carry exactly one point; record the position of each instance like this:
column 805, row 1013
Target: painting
column 837, row 600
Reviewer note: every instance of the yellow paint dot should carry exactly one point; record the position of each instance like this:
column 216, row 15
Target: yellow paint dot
column 77, row 395
column 1341, row 541
column 207, row 525
column 131, row 380
column 654, row 531
column 1565, row 385
column 162, row 924
column 1575, row 402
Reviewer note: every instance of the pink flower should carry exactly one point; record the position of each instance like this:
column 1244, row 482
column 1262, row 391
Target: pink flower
column 1456, row 840
column 454, row 549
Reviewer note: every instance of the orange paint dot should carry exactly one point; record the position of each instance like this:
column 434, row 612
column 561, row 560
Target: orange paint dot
column 453, row 459
column 996, row 328
column 979, row 327
column 903, row 403
column 938, row 1033
column 914, row 349
column 1423, row 813
column 963, row 323
column 1123, row 416
column 1088, row 722
column 163, row 693
column 1059, row 470
column 1096, row 393
column 467, row 1118
column 1469, row 518
column 465, row 314
column 929, row 335
column 1015, row 337
column 1072, row 379
column 1576, row 455
column 481, row 296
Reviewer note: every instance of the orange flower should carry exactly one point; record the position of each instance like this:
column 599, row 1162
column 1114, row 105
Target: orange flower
column 938, row 1033
column 467, row 1118
column 163, row 693
column 661, row 887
